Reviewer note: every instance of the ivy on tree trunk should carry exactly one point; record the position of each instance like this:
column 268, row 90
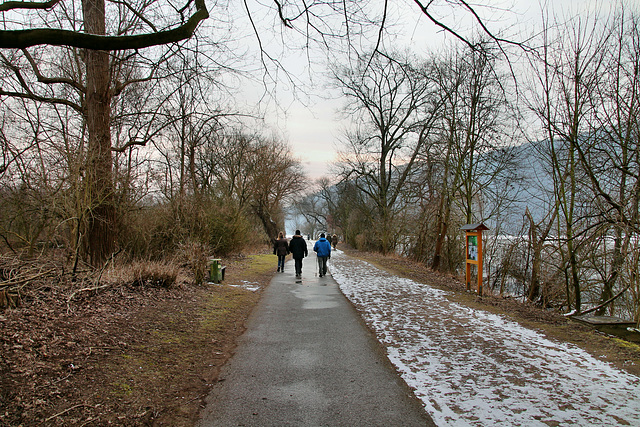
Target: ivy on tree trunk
column 101, row 232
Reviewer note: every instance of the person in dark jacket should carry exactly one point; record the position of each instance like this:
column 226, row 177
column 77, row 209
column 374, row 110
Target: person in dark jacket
column 323, row 249
column 298, row 247
column 281, row 248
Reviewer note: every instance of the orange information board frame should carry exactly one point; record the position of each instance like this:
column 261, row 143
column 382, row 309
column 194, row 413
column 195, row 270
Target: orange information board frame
column 473, row 252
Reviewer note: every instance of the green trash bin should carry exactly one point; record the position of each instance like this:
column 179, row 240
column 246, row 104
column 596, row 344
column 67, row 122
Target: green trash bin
column 216, row 270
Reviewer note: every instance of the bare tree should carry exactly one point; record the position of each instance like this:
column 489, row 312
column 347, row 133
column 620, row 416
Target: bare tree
column 318, row 207
column 589, row 110
column 611, row 156
column 259, row 174
column 394, row 113
column 473, row 150
column 93, row 37
column 95, row 87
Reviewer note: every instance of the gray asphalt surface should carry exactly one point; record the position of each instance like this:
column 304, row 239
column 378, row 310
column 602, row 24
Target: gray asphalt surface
column 307, row 359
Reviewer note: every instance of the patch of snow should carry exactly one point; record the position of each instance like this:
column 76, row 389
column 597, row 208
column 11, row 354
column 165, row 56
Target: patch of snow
column 472, row 367
column 249, row 286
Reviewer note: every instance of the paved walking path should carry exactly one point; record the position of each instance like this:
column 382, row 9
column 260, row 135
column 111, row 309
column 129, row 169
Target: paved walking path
column 307, row 359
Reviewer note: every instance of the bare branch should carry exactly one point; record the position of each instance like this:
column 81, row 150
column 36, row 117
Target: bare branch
column 380, row 33
column 136, row 13
column 285, row 21
column 26, row 38
column 129, row 144
column 604, row 304
column 13, row 5
column 50, row 80
column 28, row 94
column 120, row 86
column 448, row 29
column 477, row 18
column 488, row 32
column 34, row 97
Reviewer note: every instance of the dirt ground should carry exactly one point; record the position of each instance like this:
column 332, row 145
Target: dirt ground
column 141, row 355
column 122, row 355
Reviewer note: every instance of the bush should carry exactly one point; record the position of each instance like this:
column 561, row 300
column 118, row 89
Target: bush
column 196, row 256
column 156, row 274
column 160, row 231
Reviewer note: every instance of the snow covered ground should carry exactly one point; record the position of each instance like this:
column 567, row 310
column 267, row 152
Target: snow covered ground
column 472, row 367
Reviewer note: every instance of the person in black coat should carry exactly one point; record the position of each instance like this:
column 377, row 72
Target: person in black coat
column 298, row 247
column 281, row 248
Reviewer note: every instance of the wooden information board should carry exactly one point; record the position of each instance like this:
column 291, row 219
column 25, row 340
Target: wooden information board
column 473, row 251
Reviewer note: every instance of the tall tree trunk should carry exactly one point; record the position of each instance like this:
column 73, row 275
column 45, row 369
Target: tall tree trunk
column 385, row 233
column 536, row 259
column 575, row 280
column 619, row 256
column 101, row 233
column 537, row 243
column 441, row 231
column 269, row 225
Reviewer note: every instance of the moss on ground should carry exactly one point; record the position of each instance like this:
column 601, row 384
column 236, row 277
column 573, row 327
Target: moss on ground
column 260, row 265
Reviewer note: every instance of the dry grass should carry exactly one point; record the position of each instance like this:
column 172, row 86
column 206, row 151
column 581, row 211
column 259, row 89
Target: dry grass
column 154, row 273
column 195, row 255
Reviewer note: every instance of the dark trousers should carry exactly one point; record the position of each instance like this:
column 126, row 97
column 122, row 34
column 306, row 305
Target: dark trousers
column 322, row 265
column 298, row 262
column 281, row 262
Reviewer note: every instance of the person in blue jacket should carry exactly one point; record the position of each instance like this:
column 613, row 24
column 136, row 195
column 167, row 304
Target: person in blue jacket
column 323, row 249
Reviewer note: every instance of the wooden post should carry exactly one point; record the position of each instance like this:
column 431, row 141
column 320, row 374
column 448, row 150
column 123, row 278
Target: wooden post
column 473, row 251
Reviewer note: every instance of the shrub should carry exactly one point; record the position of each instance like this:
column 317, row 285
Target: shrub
column 158, row 231
column 157, row 274
column 196, row 256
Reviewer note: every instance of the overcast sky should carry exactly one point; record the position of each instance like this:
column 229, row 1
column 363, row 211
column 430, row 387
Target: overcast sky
column 312, row 126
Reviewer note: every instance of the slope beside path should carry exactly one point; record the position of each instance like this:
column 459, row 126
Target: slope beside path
column 472, row 367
